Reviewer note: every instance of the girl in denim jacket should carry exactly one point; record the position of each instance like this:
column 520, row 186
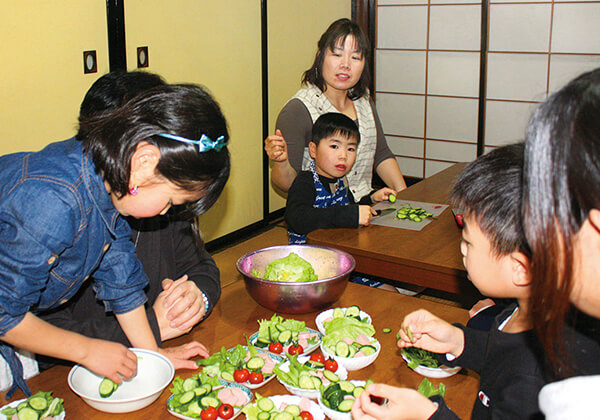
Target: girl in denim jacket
column 60, row 222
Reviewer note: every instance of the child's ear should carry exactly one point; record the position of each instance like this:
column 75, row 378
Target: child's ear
column 312, row 149
column 144, row 161
column 594, row 218
column 520, row 267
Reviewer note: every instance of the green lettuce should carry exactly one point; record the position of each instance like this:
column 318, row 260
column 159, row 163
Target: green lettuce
column 290, row 269
column 342, row 327
column 427, row 389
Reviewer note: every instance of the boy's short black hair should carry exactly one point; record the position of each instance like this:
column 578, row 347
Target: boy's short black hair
column 332, row 123
column 489, row 190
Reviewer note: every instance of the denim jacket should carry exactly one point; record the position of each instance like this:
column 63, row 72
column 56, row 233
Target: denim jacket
column 58, row 228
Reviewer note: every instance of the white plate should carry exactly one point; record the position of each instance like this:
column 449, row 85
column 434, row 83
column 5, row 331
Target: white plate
column 14, row 404
column 236, row 410
column 441, row 372
column 354, row 363
column 320, row 319
column 315, row 409
column 341, row 372
column 334, row 414
column 307, row 350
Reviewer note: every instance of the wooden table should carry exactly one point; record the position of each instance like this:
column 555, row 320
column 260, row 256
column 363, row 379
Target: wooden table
column 237, row 314
column 429, row 257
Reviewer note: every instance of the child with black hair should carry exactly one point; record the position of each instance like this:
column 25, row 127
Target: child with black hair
column 60, row 222
column 508, row 357
column 318, row 198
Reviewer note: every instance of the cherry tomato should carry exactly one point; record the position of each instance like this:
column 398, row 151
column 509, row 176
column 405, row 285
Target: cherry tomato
column 276, row 347
column 241, row 375
column 209, row 413
column 317, row 357
column 256, row 377
column 297, row 349
column 225, row 411
column 331, row 365
column 305, row 415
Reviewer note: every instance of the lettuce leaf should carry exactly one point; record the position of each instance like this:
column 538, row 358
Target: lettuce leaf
column 342, row 327
column 290, row 269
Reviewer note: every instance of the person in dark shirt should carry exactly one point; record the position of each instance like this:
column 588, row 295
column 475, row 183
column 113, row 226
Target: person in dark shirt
column 319, row 198
column 184, row 281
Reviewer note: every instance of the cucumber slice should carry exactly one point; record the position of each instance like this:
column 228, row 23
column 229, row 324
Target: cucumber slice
column 255, row 363
column 194, row 409
column 342, row 349
column 189, row 384
column 38, row 403
column 353, row 310
column 27, row 413
column 200, row 391
column 338, row 313
column 228, row 376
column 209, row 402
column 284, row 336
column 346, row 405
column 315, row 364
column 265, row 404
column 316, row 382
column 346, row 386
column 283, row 416
column 306, row 382
column 357, row 391
column 293, row 409
column 386, row 330
column 368, row 350
column 262, row 343
column 186, row 397
column 107, row 387
column 352, row 351
column 263, row 415
column 330, row 376
column 330, row 390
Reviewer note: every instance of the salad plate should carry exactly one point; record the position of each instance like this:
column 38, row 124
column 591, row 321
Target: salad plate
column 237, row 409
column 341, row 373
column 278, row 400
column 442, row 371
column 14, row 404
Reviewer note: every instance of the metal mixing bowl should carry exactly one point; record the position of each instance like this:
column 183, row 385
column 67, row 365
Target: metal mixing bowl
column 331, row 265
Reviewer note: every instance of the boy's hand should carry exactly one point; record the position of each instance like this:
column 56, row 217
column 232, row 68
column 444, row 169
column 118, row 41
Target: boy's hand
column 111, row 360
column 403, row 403
column 382, row 195
column 180, row 356
column 365, row 215
column 276, row 147
column 424, row 330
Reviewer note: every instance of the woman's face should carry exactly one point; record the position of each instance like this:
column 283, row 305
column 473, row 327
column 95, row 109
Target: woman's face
column 343, row 66
column 586, row 271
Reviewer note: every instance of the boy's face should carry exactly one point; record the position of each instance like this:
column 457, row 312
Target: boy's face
column 503, row 276
column 334, row 156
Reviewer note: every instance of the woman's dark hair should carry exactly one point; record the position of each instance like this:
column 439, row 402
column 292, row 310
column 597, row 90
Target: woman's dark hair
column 184, row 110
column 332, row 123
column 561, row 185
column 489, row 190
column 335, row 35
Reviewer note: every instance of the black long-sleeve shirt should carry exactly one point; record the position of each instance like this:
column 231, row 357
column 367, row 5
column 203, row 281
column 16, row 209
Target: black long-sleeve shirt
column 302, row 217
column 167, row 248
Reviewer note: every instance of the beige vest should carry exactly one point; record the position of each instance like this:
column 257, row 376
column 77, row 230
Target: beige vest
column 361, row 175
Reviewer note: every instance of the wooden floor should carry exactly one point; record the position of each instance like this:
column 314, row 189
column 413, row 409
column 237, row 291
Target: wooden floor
column 276, row 234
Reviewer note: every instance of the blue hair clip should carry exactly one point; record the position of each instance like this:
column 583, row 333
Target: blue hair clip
column 204, row 144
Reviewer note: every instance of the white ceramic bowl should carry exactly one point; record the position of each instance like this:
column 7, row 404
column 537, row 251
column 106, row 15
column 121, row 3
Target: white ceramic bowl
column 341, row 372
column 154, row 373
column 354, row 363
column 320, row 319
column 440, row 372
column 338, row 415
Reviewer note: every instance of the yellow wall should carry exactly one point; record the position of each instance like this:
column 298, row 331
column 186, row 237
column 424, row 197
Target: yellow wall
column 294, row 29
column 41, row 68
column 216, row 44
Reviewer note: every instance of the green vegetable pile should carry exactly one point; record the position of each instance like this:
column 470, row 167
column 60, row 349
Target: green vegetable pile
column 264, row 407
column 340, row 396
column 429, row 390
column 288, row 269
column 345, row 327
column 194, row 394
column 420, row 357
column 303, row 376
column 38, row 406
column 414, row 214
column 224, row 363
column 279, row 329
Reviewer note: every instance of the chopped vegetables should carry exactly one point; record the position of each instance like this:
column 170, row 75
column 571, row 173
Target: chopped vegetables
column 39, row 406
column 107, row 387
column 386, row 330
column 280, row 335
column 414, row 214
column 339, row 396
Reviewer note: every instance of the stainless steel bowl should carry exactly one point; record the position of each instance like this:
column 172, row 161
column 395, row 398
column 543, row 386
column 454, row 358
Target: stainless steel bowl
column 331, row 265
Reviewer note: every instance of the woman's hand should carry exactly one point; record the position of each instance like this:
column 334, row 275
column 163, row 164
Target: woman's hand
column 431, row 333
column 180, row 355
column 365, row 214
column 178, row 307
column 382, row 195
column 403, row 403
column 276, row 147
column 109, row 359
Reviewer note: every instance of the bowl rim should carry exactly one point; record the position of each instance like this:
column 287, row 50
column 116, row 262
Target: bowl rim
column 238, row 264
column 128, row 400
